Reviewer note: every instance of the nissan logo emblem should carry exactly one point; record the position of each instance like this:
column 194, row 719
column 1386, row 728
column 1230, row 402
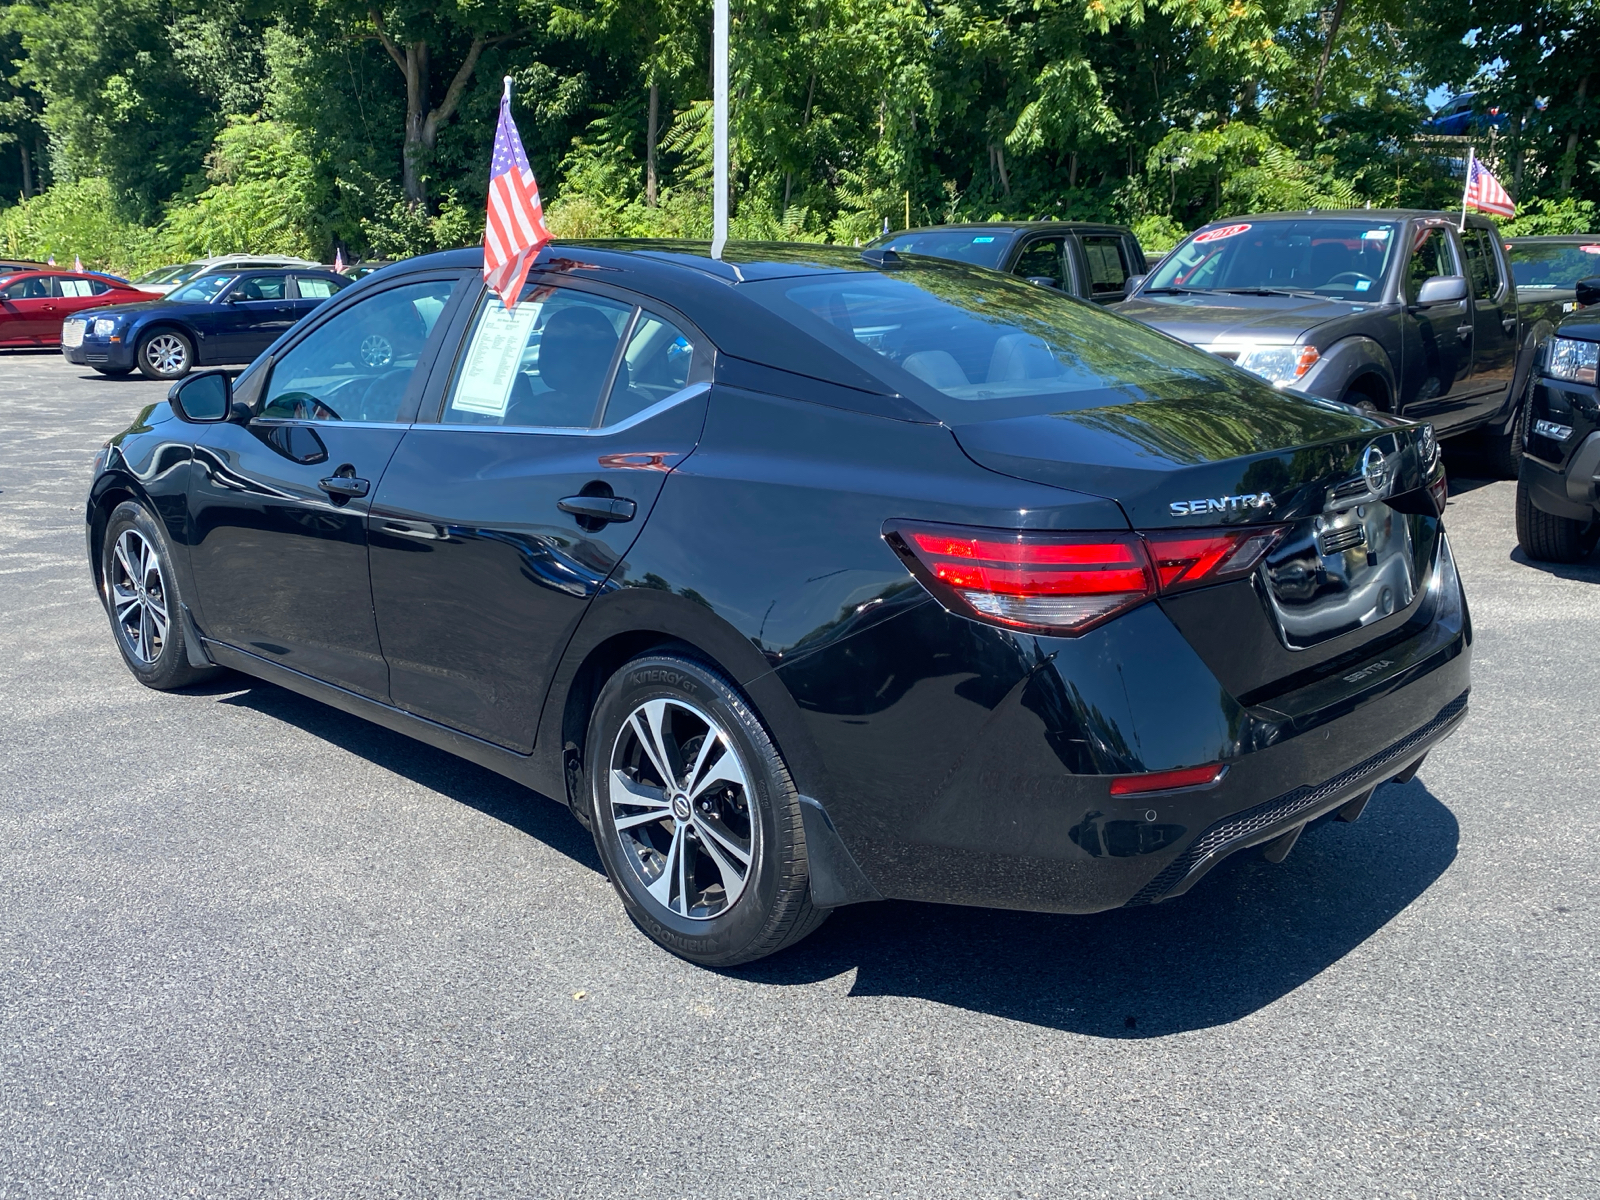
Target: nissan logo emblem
column 1375, row 470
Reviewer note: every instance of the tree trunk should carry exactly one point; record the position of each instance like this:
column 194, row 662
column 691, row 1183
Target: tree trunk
column 27, row 170
column 997, row 155
column 1327, row 50
column 650, row 145
column 422, row 122
column 1569, row 160
column 1072, row 170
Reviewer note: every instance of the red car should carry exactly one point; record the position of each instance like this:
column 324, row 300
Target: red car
column 33, row 303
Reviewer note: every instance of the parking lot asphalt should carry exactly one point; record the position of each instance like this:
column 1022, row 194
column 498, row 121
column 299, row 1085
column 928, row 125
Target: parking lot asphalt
column 253, row 947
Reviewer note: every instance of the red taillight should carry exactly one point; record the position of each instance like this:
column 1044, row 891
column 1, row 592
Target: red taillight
column 1439, row 489
column 1066, row 584
column 1166, row 781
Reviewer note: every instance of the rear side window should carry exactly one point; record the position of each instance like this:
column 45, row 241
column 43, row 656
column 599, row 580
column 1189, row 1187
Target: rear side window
column 316, row 289
column 969, row 347
column 76, row 287
column 1482, row 265
column 654, row 366
column 1108, row 265
column 1554, row 266
column 541, row 364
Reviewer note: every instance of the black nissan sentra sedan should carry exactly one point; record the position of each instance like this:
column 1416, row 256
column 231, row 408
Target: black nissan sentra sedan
column 807, row 577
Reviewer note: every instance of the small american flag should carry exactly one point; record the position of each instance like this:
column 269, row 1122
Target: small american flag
column 514, row 230
column 1484, row 191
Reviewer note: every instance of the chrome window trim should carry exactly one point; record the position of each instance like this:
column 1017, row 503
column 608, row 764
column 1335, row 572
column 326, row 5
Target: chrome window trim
column 678, row 397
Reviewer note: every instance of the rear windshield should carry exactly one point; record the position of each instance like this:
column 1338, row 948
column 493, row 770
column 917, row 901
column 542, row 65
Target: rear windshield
column 980, row 247
column 1345, row 259
column 970, row 347
column 1554, row 266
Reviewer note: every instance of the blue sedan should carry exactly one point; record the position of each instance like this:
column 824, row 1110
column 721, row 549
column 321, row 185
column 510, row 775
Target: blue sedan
column 215, row 320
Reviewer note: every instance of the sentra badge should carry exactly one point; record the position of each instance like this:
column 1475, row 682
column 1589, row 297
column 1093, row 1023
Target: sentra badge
column 1220, row 504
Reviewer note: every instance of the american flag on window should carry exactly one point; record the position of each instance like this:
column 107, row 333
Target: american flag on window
column 1484, row 192
column 514, row 230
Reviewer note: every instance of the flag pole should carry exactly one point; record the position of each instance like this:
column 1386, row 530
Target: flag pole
column 719, row 128
column 1466, row 187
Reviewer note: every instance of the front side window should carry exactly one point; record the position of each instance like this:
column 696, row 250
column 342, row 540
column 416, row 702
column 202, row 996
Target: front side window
column 203, row 290
column 1041, row 260
column 35, row 287
column 541, row 364
column 1339, row 258
column 1108, row 265
column 260, row 287
column 1553, row 265
column 358, row 365
column 1431, row 255
column 1483, row 268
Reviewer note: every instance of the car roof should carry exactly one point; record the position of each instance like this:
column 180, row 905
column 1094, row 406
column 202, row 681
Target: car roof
column 1047, row 223
column 1376, row 214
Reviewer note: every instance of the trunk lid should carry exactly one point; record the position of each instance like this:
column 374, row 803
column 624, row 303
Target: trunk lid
column 1348, row 490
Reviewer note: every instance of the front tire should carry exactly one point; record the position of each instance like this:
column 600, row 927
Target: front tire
column 165, row 354
column 115, row 372
column 1550, row 538
column 695, row 815
column 1504, row 450
column 141, row 598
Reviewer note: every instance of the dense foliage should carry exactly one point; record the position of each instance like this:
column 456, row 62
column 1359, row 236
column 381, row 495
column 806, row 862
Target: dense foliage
column 133, row 131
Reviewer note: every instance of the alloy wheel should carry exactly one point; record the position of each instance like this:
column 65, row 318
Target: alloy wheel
column 166, row 353
column 681, row 809
column 377, row 350
column 139, row 596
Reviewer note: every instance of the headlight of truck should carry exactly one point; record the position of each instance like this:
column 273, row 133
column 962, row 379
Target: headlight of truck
column 1279, row 364
column 1574, row 360
column 105, row 326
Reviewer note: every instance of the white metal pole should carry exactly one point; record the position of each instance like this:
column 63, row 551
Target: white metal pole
column 1466, row 188
column 719, row 128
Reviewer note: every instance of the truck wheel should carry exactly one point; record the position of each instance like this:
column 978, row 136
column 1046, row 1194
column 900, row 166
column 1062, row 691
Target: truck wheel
column 1549, row 538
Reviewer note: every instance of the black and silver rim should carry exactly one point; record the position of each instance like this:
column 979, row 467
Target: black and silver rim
column 166, row 353
column 377, row 350
column 681, row 809
column 139, row 597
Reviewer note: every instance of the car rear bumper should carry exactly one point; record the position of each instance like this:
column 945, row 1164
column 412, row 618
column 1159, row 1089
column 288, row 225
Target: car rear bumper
column 968, row 765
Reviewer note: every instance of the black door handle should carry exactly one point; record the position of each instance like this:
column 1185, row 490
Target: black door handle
column 603, row 509
column 346, row 487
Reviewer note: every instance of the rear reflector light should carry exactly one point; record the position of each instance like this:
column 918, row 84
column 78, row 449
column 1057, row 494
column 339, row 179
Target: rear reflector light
column 1067, row 583
column 1166, row 781
column 1439, row 489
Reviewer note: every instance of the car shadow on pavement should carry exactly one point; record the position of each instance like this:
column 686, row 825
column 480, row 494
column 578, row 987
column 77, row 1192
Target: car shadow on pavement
column 1585, row 570
column 1246, row 935
column 462, row 781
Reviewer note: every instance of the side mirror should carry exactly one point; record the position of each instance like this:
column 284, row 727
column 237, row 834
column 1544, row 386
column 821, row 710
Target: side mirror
column 1132, row 284
column 1049, row 281
column 202, row 399
column 1589, row 291
column 1442, row 289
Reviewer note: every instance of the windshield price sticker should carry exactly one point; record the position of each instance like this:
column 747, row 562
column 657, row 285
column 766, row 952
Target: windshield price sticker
column 1590, row 249
column 1216, row 235
column 494, row 359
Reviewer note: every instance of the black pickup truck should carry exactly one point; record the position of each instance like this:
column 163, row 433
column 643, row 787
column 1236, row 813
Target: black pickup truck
column 1083, row 258
column 1558, row 488
column 1394, row 310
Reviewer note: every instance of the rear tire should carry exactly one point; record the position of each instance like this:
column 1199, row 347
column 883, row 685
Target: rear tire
column 165, row 354
column 140, row 593
column 710, row 861
column 1550, row 538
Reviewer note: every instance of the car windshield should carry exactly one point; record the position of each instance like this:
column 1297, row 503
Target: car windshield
column 1318, row 257
column 1554, row 266
column 980, row 247
column 202, row 290
column 164, row 275
column 970, row 347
